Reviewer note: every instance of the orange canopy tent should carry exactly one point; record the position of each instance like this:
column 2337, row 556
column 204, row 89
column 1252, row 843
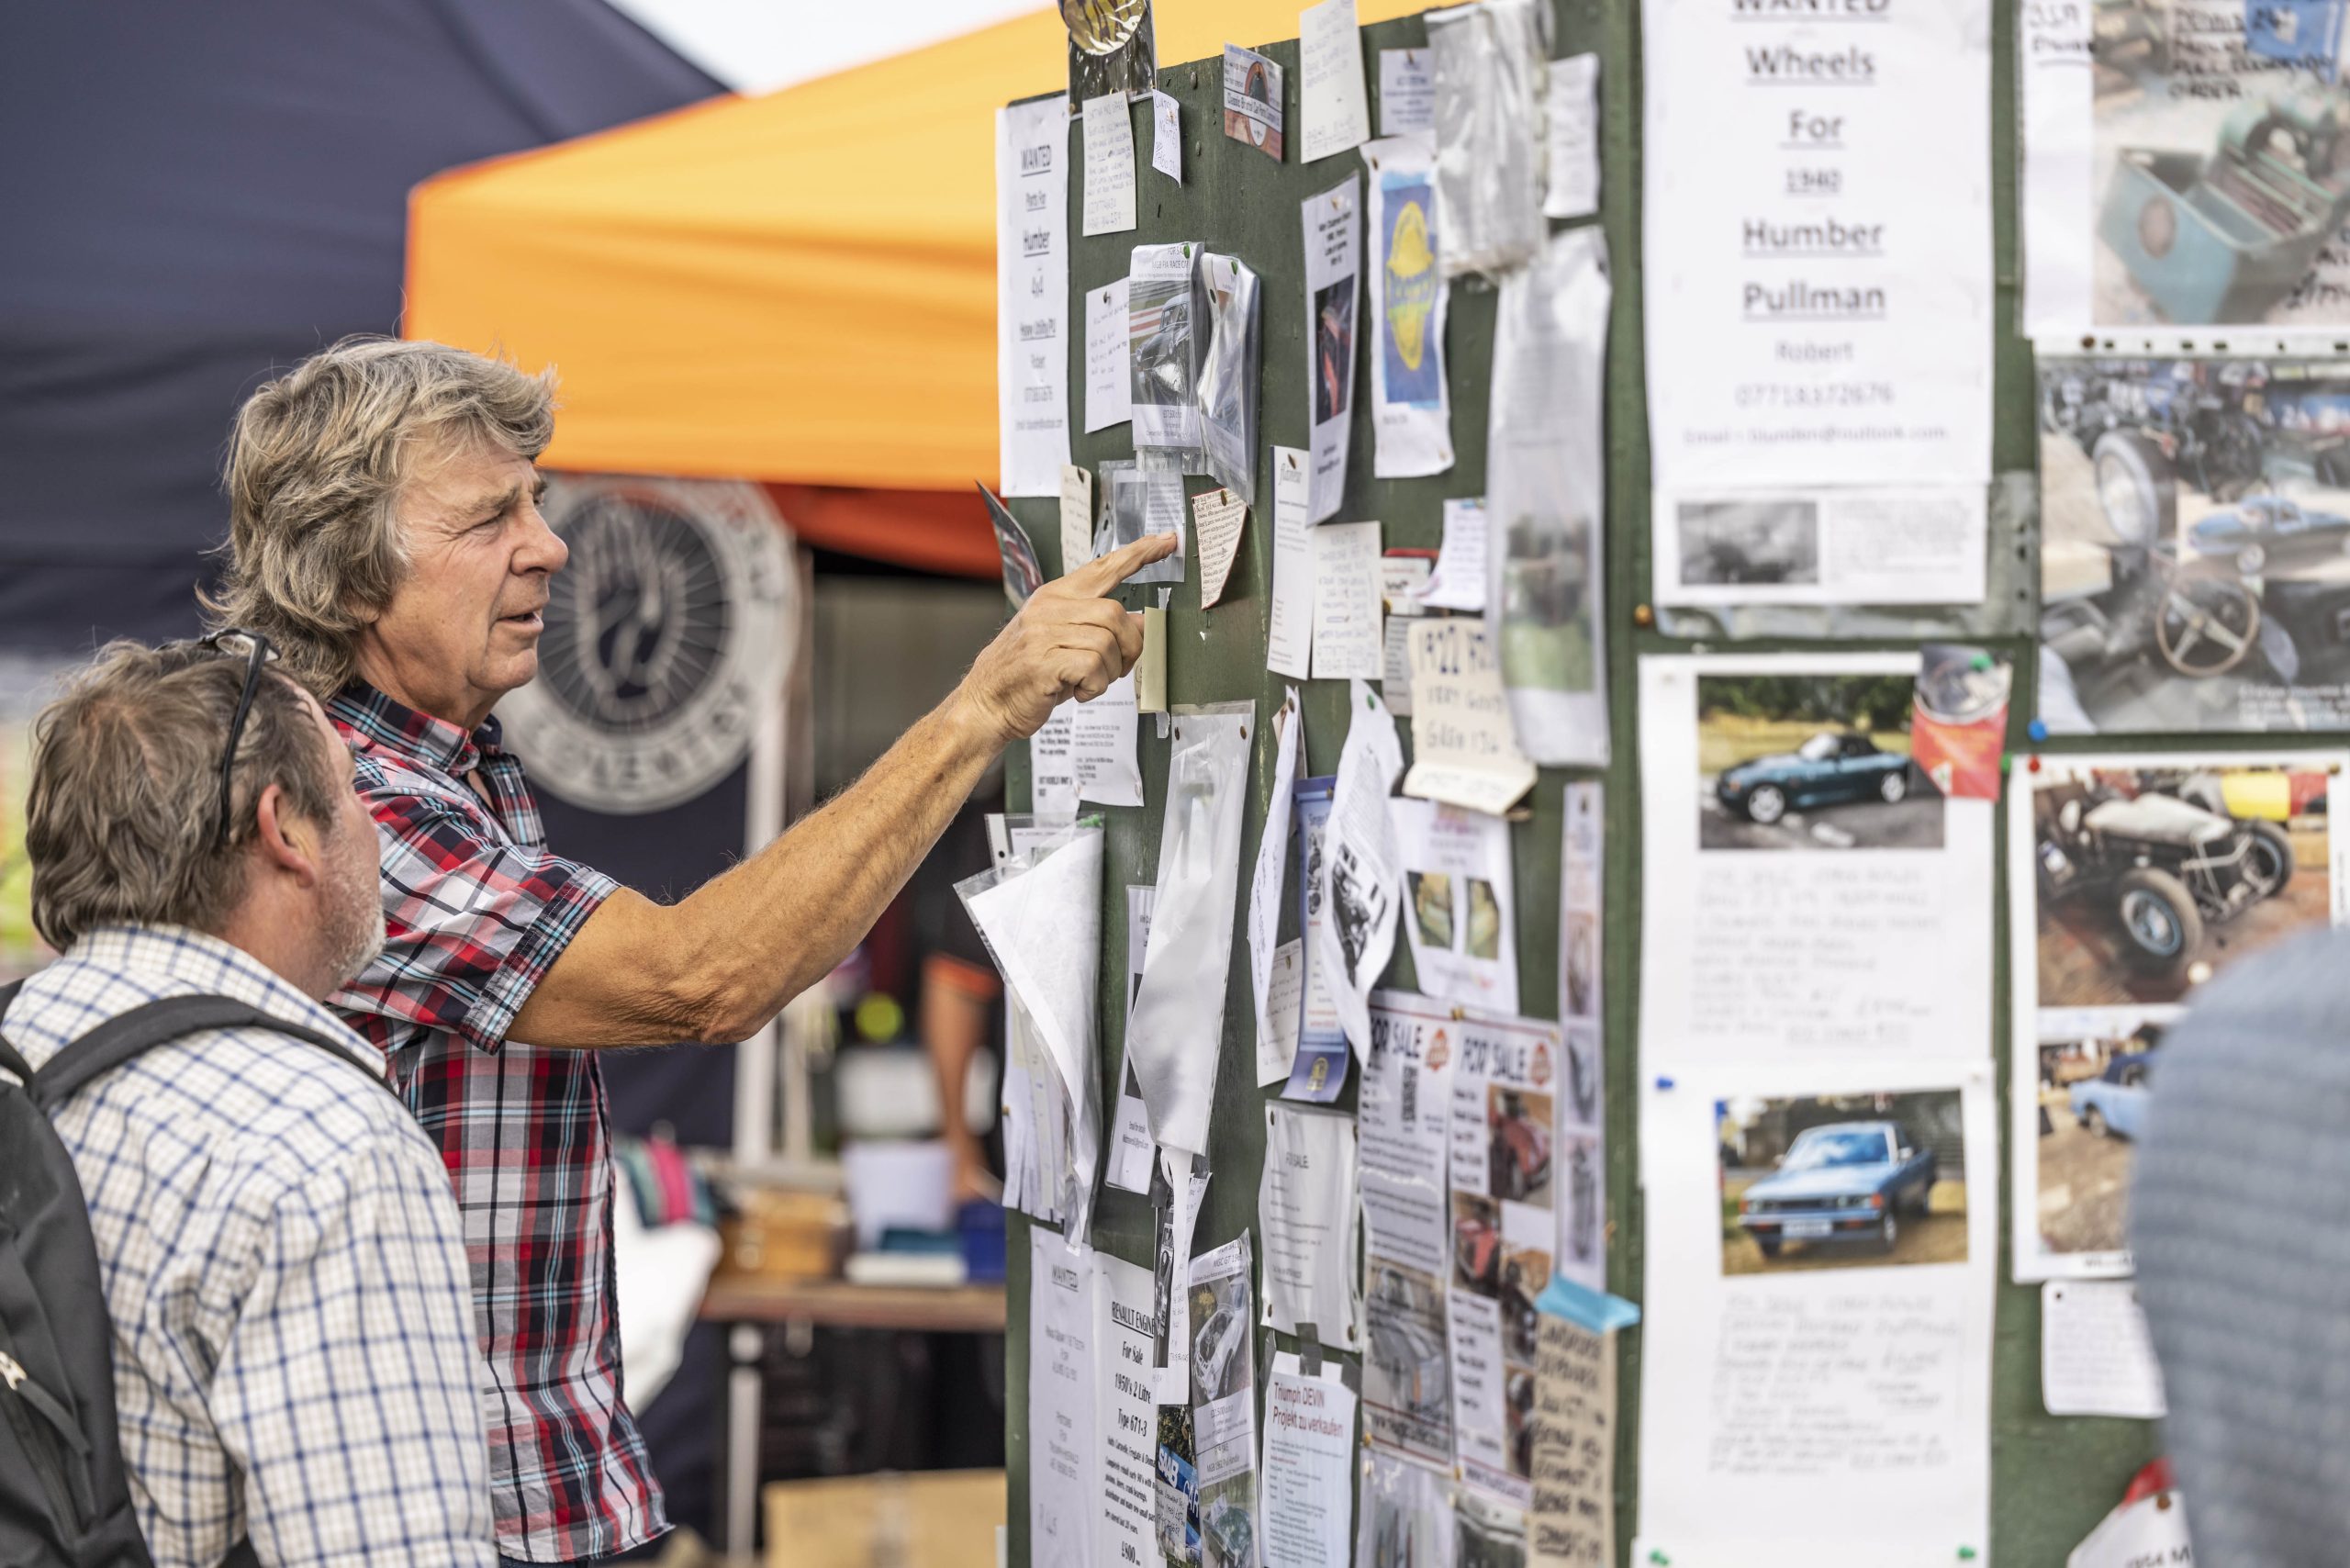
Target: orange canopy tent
column 798, row 288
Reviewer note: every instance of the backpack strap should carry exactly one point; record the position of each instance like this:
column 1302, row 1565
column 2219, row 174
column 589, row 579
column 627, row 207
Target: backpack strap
column 134, row 1034
column 11, row 1059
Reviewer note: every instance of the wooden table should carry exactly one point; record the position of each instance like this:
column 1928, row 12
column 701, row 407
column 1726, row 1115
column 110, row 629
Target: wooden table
column 753, row 1305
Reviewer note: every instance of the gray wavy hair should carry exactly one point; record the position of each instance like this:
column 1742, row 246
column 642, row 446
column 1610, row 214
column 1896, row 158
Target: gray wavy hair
column 125, row 789
column 315, row 462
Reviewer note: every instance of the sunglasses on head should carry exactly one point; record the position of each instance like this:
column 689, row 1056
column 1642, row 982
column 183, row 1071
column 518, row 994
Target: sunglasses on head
column 235, row 642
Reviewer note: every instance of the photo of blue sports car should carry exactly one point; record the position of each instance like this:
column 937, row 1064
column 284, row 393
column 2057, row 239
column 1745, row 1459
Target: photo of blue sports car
column 1830, row 766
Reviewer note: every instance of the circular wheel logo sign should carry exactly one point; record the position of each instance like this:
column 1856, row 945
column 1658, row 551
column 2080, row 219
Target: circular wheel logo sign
column 664, row 639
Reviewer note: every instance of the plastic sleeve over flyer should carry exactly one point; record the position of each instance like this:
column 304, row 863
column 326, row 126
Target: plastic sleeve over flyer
column 1545, row 500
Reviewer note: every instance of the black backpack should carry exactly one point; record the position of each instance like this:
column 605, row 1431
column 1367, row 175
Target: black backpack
column 63, row 1496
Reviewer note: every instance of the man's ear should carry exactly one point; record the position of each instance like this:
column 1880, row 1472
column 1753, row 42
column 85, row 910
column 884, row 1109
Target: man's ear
column 288, row 841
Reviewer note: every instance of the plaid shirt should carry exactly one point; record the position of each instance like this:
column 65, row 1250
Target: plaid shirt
column 292, row 1352
column 475, row 912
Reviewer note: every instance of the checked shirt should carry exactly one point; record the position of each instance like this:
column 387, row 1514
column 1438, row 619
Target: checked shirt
column 293, row 1353
column 475, row 912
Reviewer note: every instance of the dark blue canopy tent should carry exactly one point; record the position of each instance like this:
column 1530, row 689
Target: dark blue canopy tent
column 194, row 196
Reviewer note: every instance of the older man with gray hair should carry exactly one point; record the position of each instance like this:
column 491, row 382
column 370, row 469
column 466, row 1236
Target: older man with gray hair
column 385, row 533
column 294, row 1360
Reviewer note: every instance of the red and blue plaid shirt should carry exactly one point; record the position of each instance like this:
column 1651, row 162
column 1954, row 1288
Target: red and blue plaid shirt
column 475, row 912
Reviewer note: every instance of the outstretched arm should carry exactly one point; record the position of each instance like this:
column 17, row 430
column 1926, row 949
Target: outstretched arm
column 719, row 964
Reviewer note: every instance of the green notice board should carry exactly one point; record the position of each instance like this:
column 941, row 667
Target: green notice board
column 2051, row 1479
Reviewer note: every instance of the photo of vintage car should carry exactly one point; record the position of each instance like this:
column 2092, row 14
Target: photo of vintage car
column 2114, row 1104
column 1228, row 1533
column 1850, row 1182
column 1408, row 1368
column 2161, row 869
column 1476, row 1244
column 1216, row 1352
column 1518, row 1147
column 1828, row 767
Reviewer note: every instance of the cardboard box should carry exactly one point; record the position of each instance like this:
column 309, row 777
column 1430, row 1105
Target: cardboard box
column 940, row 1519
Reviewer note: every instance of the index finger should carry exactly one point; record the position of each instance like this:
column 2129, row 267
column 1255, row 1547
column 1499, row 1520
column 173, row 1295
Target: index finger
column 1098, row 577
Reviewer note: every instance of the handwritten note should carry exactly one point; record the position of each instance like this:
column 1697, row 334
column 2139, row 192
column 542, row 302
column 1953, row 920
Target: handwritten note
column 1109, row 365
column 2095, row 1356
column 1346, row 601
column 1108, row 165
column 1800, row 963
column 1459, row 580
column 1167, row 134
column 1077, row 517
column 1052, row 770
column 1103, row 747
column 1463, row 750
column 1217, row 515
column 1333, row 115
column 1574, row 138
column 1848, row 1385
column 1407, row 92
column 1289, row 627
column 1574, row 1519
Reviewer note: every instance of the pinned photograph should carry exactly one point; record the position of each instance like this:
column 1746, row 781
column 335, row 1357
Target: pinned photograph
column 1488, row 1534
column 1811, row 762
column 1431, row 906
column 2152, row 874
column 1227, row 1521
column 1841, row 1182
column 1485, row 921
column 1334, row 337
column 2222, row 165
column 1252, row 100
column 1583, row 1227
column 1519, row 1146
column 1407, row 1384
column 2082, row 1113
column 1582, row 964
column 1476, row 1244
column 2195, row 554
column 1220, row 1364
column 1523, row 1273
column 1743, row 542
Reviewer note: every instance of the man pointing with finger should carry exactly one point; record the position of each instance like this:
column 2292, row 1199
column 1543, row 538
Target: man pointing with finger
column 385, row 537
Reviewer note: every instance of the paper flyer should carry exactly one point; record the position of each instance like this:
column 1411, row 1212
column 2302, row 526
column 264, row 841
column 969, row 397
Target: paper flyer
column 1216, row 519
column 1346, row 601
column 1108, row 165
column 1822, row 1247
column 1573, row 1520
column 1405, row 1112
column 1849, row 544
column 1077, row 517
column 1407, row 92
column 1458, row 582
column 2056, row 74
column 1252, row 100
column 1333, row 226
column 1583, row 1110
column 1574, row 106
column 1289, row 627
column 1839, row 328
column 1360, row 868
column 1318, row 1073
column 1463, row 750
column 1502, row 1168
column 1109, row 358
column 1032, row 294
column 1132, row 1154
column 1307, row 1207
column 2096, row 1357
column 1411, row 407
column 1223, row 1402
column 1102, row 746
column 2133, row 879
column 1308, row 1472
column 1167, row 134
column 1052, row 767
column 1092, row 1489
column 1801, row 873
column 1264, row 883
column 1333, row 113
column 1461, row 915
column 1544, row 487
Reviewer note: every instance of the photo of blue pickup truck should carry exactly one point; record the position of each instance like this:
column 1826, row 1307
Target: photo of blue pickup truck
column 1845, row 1181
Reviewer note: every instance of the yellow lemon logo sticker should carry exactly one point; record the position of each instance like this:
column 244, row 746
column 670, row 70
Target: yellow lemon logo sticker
column 1411, row 285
